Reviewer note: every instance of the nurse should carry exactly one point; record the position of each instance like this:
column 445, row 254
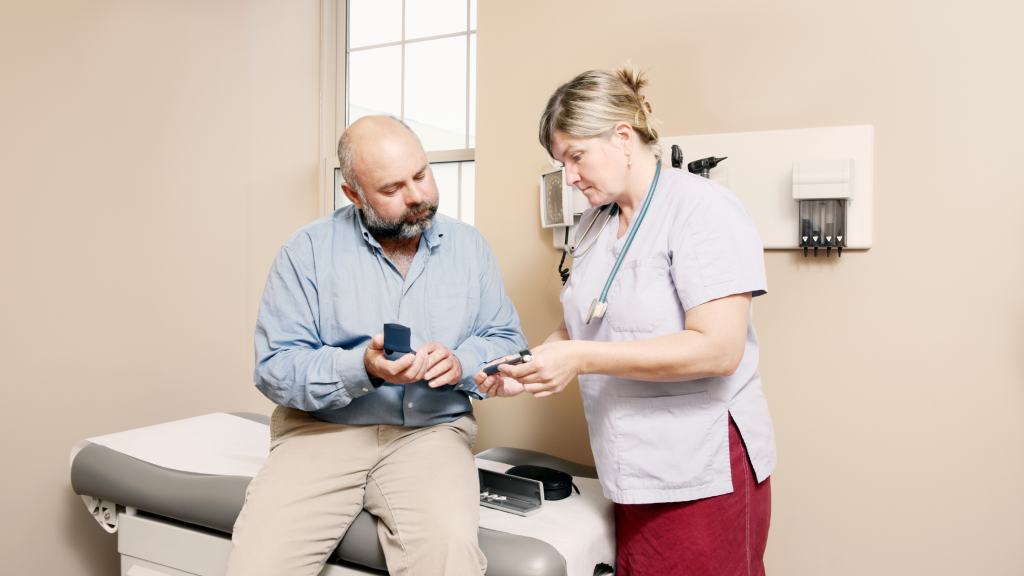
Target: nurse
column 679, row 426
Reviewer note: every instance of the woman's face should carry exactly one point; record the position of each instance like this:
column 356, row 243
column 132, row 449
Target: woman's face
column 597, row 166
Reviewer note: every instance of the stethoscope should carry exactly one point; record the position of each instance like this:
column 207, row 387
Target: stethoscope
column 600, row 305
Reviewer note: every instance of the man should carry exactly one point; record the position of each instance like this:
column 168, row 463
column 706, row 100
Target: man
column 354, row 430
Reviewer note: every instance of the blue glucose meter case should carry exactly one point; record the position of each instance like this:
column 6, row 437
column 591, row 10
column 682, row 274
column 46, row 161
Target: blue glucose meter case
column 397, row 340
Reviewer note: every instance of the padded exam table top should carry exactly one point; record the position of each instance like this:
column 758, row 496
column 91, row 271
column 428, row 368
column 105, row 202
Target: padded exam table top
column 215, row 501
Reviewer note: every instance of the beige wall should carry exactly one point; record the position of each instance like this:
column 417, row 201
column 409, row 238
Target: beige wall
column 895, row 376
column 153, row 156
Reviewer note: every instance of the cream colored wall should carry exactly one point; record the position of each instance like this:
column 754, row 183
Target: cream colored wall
column 283, row 145
column 895, row 376
column 153, row 156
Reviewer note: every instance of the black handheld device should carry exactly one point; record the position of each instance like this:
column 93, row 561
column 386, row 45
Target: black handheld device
column 524, row 356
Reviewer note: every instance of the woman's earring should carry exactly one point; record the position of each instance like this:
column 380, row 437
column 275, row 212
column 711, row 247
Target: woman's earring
column 630, row 162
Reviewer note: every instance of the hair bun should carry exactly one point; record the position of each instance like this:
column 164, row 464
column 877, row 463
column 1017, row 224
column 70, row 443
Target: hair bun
column 633, row 78
column 594, row 102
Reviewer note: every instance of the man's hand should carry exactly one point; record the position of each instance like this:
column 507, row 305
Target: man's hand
column 497, row 386
column 443, row 368
column 407, row 369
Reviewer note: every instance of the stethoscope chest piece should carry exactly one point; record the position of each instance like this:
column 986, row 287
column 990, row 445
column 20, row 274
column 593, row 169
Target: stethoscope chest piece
column 597, row 310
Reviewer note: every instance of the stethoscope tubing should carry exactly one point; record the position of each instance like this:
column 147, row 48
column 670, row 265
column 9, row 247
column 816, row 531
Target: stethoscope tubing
column 632, row 233
column 629, row 239
column 611, row 213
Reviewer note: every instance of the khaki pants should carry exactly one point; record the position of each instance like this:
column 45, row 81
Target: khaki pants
column 421, row 483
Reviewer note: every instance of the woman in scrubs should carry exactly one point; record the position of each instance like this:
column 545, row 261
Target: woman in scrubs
column 679, row 427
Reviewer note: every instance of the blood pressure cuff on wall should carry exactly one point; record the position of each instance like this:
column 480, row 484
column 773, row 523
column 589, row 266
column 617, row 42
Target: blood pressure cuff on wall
column 557, row 485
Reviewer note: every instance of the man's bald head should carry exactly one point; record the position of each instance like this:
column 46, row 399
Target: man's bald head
column 387, row 177
column 367, row 138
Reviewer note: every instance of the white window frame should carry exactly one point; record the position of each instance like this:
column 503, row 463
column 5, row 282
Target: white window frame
column 334, row 93
column 333, row 40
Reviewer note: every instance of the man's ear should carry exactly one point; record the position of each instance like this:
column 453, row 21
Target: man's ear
column 350, row 193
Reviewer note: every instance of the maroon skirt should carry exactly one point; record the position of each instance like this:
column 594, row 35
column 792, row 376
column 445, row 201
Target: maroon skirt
column 722, row 535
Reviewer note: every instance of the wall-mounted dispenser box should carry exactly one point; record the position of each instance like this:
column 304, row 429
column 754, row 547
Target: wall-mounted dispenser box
column 822, row 189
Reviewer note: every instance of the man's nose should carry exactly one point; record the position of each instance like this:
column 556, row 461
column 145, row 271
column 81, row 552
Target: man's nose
column 414, row 193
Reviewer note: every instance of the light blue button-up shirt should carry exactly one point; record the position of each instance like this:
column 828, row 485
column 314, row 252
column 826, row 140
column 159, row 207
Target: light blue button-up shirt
column 331, row 289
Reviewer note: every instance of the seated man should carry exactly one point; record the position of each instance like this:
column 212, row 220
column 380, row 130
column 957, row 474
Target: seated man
column 354, row 430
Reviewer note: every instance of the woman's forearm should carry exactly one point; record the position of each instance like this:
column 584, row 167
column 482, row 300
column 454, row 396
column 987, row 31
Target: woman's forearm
column 712, row 345
column 685, row 355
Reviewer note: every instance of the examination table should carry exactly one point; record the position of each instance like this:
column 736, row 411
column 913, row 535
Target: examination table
column 174, row 523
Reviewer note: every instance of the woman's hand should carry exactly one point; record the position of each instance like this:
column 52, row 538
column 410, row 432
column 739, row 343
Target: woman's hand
column 554, row 365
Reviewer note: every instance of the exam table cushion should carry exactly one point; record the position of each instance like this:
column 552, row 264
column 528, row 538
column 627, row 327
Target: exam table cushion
column 215, row 501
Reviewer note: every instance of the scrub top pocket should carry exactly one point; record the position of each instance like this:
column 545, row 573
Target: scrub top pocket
column 664, row 443
column 642, row 296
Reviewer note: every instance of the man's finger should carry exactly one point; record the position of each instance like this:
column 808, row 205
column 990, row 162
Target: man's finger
column 396, row 367
column 434, row 351
column 494, row 389
column 491, row 383
column 419, row 366
column 444, row 379
column 441, row 374
column 437, row 356
column 445, row 365
column 377, row 342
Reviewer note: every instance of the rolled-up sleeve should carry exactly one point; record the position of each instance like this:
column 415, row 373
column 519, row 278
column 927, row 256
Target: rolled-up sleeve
column 293, row 366
column 497, row 331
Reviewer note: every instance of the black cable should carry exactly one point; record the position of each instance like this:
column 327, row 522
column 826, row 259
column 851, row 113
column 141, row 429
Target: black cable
column 564, row 273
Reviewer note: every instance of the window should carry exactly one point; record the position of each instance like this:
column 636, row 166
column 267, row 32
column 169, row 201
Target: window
column 416, row 60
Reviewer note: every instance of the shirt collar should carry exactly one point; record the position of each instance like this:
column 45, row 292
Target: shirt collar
column 431, row 236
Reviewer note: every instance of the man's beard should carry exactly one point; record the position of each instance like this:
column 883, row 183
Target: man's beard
column 402, row 228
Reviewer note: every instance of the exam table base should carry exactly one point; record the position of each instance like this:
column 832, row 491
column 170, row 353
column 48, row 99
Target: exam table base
column 156, row 546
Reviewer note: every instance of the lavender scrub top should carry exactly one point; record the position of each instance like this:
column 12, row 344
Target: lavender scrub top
column 669, row 441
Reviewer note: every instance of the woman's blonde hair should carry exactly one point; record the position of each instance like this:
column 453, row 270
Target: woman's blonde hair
column 592, row 103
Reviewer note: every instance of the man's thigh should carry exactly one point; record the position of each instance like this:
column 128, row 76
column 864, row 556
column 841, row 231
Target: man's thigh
column 301, row 502
column 426, row 493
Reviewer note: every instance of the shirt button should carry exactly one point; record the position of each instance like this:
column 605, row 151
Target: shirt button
column 410, row 404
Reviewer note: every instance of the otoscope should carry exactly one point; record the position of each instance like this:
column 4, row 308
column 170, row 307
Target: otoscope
column 701, row 167
column 704, row 165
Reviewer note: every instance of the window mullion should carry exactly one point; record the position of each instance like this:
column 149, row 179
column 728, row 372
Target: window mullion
column 402, row 99
column 468, row 44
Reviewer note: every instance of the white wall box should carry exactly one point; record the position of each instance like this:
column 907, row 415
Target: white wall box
column 760, row 170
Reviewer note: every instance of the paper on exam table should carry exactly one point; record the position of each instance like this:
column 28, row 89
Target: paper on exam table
column 581, row 527
column 211, row 444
